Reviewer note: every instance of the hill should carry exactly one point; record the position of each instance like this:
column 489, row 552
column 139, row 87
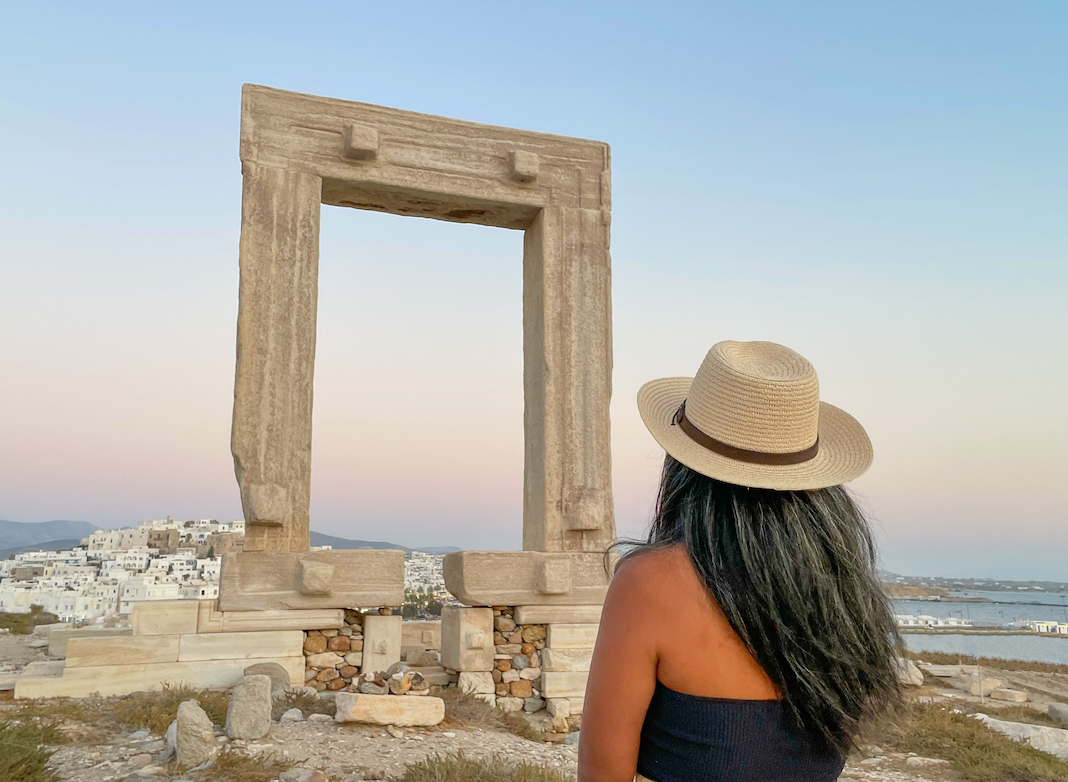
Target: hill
column 51, row 545
column 321, row 539
column 15, row 534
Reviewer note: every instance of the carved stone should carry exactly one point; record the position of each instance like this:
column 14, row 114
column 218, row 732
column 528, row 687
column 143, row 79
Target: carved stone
column 264, row 580
column 467, row 638
column 298, row 151
column 527, row 578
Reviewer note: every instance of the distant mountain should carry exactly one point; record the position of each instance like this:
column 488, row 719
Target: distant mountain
column 319, row 539
column 51, row 545
column 14, row 534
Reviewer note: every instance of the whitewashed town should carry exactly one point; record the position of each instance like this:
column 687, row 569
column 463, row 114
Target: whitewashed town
column 100, row 580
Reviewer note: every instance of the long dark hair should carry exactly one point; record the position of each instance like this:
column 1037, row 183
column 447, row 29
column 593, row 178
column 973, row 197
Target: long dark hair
column 794, row 574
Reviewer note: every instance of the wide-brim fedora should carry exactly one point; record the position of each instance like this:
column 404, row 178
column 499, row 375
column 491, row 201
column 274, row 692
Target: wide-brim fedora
column 752, row 416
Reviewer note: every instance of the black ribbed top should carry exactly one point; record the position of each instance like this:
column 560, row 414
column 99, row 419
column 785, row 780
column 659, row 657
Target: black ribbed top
column 689, row 738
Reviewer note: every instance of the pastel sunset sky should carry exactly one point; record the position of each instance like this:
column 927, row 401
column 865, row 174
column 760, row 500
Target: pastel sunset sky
column 882, row 187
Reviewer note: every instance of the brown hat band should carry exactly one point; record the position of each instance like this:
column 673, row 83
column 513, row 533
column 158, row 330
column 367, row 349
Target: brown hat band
column 741, row 454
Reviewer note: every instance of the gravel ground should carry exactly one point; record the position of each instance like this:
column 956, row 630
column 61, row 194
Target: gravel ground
column 15, row 651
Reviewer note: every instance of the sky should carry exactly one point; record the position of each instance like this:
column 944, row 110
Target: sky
column 881, row 187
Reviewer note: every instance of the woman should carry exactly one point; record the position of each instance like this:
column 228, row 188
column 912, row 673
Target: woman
column 748, row 638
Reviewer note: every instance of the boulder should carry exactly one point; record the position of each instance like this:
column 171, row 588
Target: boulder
column 907, row 672
column 278, row 675
column 194, row 736
column 249, row 715
column 389, row 709
column 292, row 715
column 971, row 683
column 1058, row 712
column 1012, row 696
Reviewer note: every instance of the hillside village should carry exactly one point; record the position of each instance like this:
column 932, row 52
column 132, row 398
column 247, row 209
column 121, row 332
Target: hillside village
column 101, row 579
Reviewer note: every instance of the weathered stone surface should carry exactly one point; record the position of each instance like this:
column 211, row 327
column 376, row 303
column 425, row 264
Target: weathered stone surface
column 510, row 704
column 270, row 580
column 521, row 689
column 422, row 633
column 389, row 709
column 1006, row 694
column 544, row 615
column 325, row 660
column 1058, row 712
column 530, row 674
column 59, row 637
column 556, row 684
column 315, row 644
column 354, row 658
column 568, row 636
column 907, row 672
column 467, row 638
column 478, row 682
column 194, row 736
column 212, row 620
column 519, row 577
column 110, row 680
column 558, row 190
column 533, row 704
column 566, row 659
column 240, row 646
column 1051, row 740
column 278, row 675
column 249, row 715
column 381, row 642
column 558, row 707
column 164, row 617
column 87, row 652
column 972, row 684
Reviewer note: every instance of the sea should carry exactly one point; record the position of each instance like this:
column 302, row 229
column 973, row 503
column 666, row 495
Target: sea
column 1006, row 608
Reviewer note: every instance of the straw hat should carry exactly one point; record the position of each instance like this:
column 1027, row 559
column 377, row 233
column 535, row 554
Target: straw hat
column 753, row 417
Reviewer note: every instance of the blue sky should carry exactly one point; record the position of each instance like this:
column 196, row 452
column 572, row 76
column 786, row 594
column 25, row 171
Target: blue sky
column 882, row 188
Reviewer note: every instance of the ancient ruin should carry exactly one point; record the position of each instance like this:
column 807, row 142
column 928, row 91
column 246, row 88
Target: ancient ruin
column 540, row 605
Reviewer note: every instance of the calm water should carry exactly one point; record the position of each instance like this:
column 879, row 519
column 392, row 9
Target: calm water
column 1007, row 610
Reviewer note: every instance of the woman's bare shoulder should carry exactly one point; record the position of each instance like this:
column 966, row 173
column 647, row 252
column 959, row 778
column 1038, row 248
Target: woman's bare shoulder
column 652, row 577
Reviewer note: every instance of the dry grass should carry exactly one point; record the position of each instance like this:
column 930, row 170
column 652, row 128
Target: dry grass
column 946, row 658
column 23, row 624
column 1010, row 713
column 234, row 767
column 465, row 709
column 308, row 704
column 460, row 768
column 976, row 752
column 23, row 751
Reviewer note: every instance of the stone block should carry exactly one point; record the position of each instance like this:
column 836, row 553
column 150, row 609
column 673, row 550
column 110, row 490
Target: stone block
column 559, row 684
column 165, row 617
column 907, row 672
column 108, row 680
column 212, row 620
column 240, row 646
column 1006, row 694
column 422, row 633
column 389, row 709
column 271, row 580
column 488, row 578
column 972, row 684
column 510, row 704
column 467, row 638
column 571, row 636
column 61, row 636
column 558, row 707
column 326, row 660
column 489, row 698
column 87, row 652
column 524, row 166
column 381, row 642
column 477, row 682
column 566, row 659
column 546, row 615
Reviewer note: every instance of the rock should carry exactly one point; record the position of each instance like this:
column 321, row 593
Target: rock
column 338, row 643
column 526, row 648
column 908, row 673
column 137, row 761
column 292, row 715
column 918, row 761
column 389, row 710
column 398, row 667
column 1006, row 694
column 504, row 665
column 331, row 633
column 530, row 674
column 354, row 658
column 278, row 675
column 871, row 751
column 40, row 643
column 970, row 683
column 371, row 688
column 521, row 689
column 533, row 633
column 249, row 715
column 400, row 683
column 325, row 660
column 572, row 738
column 558, row 707
column 520, row 661
column 169, row 742
column 1053, row 741
column 194, row 736
column 477, row 682
column 348, row 671
column 510, row 676
column 560, row 725
column 419, row 684
column 510, row 704
column 1058, row 712
column 315, row 644
column 327, row 675
column 533, row 704
column 138, row 735
column 502, row 690
column 320, row 718
column 508, row 650
column 553, row 737
column 503, row 624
